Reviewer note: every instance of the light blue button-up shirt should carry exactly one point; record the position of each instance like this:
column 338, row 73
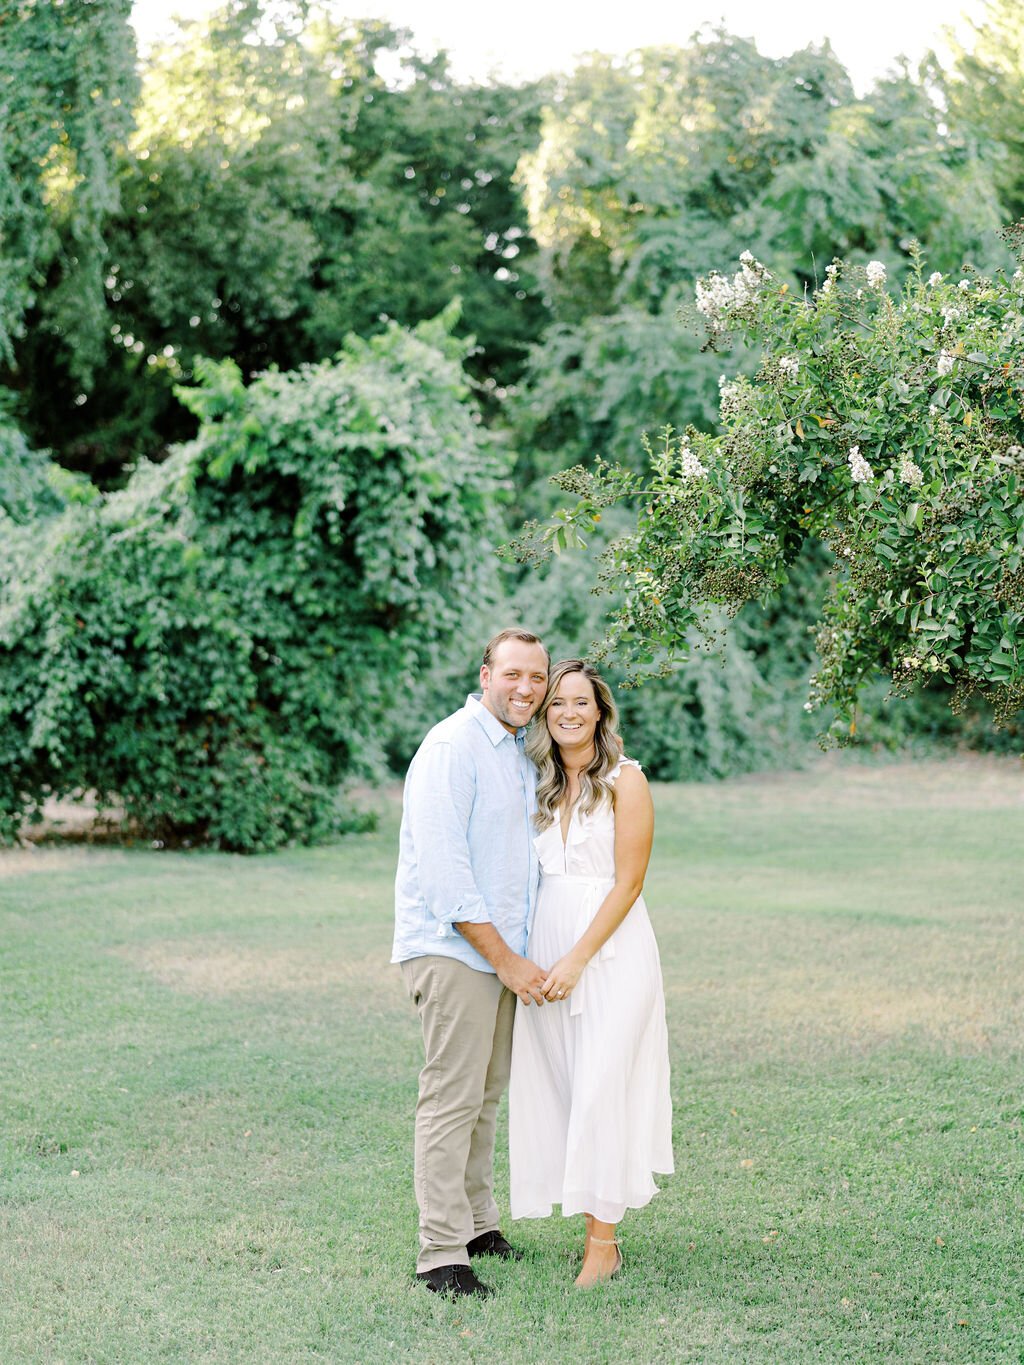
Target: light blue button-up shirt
column 466, row 850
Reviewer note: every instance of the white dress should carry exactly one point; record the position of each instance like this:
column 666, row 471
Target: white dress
column 590, row 1115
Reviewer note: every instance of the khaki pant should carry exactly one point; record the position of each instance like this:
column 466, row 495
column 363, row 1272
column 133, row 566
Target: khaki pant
column 467, row 1038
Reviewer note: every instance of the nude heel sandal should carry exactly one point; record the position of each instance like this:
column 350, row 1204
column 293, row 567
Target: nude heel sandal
column 605, row 1242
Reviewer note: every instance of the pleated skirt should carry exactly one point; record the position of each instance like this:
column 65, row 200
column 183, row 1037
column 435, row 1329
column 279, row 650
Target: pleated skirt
column 590, row 1110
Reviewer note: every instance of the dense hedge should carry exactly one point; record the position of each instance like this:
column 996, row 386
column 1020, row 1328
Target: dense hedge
column 26, row 475
column 218, row 645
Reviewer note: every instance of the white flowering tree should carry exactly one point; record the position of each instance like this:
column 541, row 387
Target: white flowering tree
column 888, row 427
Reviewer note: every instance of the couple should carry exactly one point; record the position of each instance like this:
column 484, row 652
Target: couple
column 489, row 810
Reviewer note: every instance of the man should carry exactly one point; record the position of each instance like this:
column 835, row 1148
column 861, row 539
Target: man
column 464, row 897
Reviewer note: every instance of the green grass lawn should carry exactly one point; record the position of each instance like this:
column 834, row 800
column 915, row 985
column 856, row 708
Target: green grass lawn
column 208, row 1072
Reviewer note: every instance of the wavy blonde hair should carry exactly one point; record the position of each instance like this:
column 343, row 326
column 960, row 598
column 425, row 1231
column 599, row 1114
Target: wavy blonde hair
column 552, row 780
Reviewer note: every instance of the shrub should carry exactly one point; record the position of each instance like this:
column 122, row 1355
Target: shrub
column 26, row 475
column 218, row 645
column 886, row 428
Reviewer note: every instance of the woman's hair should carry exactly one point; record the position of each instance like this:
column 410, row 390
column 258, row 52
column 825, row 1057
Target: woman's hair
column 551, row 776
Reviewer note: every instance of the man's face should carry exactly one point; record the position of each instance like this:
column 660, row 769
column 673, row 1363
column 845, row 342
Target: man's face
column 514, row 684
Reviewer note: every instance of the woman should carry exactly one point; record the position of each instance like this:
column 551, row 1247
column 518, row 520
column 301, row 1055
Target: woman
column 590, row 1118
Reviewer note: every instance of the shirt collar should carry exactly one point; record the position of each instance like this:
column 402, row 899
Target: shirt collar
column 492, row 726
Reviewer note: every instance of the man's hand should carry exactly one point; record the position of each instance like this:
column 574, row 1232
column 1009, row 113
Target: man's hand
column 519, row 974
column 524, row 977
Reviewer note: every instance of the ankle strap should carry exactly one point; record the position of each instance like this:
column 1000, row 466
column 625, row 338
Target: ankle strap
column 604, row 1241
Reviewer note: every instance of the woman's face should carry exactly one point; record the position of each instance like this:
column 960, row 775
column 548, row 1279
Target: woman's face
column 572, row 713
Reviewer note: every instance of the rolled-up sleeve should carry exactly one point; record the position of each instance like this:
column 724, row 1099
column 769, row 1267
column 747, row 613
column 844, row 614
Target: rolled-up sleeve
column 441, row 788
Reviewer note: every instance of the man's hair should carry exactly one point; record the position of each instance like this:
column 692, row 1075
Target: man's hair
column 512, row 633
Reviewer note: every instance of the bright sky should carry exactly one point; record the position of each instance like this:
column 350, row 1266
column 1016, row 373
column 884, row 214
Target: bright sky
column 533, row 37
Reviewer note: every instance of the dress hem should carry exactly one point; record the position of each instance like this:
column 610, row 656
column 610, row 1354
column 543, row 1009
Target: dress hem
column 573, row 1207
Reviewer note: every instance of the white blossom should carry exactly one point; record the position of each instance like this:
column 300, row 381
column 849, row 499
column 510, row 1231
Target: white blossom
column 690, row 464
column 860, row 470
column 714, row 296
column 718, row 296
column 934, row 279
column 910, row 473
column 831, row 274
column 933, row 409
column 730, row 397
column 789, row 365
column 945, row 363
column 964, row 285
column 951, row 315
column 875, row 271
column 750, row 277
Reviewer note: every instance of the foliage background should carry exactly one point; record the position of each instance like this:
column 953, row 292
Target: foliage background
column 280, row 181
column 215, row 645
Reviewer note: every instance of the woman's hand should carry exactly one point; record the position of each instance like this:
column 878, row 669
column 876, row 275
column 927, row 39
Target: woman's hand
column 563, row 977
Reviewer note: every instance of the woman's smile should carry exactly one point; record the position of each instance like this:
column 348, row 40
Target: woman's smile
column 573, row 713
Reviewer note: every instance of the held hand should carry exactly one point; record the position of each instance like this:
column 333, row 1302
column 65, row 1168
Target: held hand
column 563, row 978
column 524, row 977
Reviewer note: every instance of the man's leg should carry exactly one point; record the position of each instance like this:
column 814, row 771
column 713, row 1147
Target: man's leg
column 458, row 1007
column 480, row 1166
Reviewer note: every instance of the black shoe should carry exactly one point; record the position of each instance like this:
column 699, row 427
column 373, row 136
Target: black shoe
column 493, row 1244
column 455, row 1281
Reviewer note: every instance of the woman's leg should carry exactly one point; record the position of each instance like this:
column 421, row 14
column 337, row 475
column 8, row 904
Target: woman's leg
column 601, row 1256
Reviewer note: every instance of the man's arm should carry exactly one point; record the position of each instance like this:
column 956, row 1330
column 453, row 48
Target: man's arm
column 439, row 802
column 519, row 974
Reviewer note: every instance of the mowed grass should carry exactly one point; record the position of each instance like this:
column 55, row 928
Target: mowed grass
column 208, row 1072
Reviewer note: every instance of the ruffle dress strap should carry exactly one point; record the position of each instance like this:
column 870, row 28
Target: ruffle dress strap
column 623, row 762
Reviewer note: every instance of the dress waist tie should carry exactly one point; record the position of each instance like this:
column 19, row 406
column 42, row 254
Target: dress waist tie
column 595, row 890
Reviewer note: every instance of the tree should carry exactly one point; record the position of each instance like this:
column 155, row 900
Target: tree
column 589, row 385
column 278, row 193
column 984, row 91
column 652, row 169
column 888, row 428
column 887, row 171
column 27, row 490
column 219, row 645
column 67, row 86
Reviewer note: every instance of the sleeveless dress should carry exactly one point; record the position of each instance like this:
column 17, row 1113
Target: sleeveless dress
column 590, row 1114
